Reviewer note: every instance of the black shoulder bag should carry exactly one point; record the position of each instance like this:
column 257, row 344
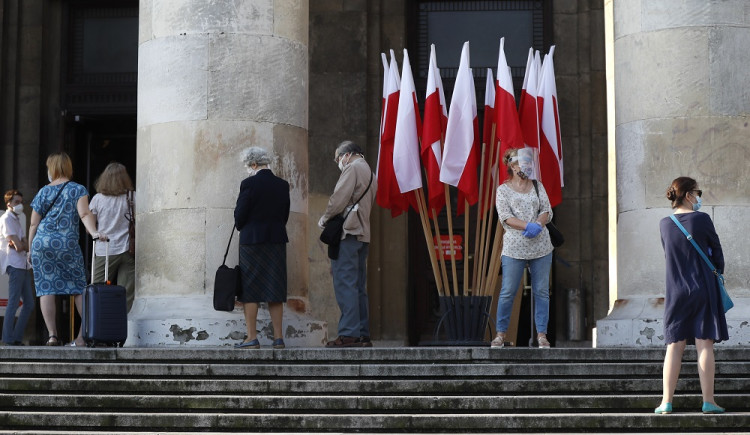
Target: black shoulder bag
column 334, row 228
column 227, row 283
column 55, row 200
column 555, row 236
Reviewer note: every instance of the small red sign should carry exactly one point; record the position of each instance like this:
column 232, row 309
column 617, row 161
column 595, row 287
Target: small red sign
column 443, row 247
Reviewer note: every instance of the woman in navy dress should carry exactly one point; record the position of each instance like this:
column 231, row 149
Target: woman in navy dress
column 693, row 313
column 260, row 215
column 53, row 236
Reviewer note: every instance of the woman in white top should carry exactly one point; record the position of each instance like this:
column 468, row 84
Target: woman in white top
column 110, row 206
column 523, row 212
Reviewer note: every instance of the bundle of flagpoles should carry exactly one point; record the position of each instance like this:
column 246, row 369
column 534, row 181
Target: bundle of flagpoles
column 446, row 145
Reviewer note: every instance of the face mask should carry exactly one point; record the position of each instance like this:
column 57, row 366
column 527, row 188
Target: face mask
column 341, row 163
column 18, row 209
column 521, row 174
column 698, row 203
column 251, row 171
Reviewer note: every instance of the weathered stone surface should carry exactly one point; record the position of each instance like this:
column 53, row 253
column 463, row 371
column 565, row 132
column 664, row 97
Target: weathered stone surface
column 291, row 20
column 238, row 81
column 173, row 17
column 728, row 61
column 657, row 76
column 172, row 79
column 640, row 256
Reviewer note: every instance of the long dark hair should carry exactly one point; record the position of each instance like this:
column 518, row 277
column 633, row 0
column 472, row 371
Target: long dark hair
column 679, row 188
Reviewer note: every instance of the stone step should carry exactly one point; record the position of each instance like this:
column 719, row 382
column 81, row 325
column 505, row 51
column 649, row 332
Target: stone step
column 400, row 404
column 66, row 390
column 363, row 386
column 343, row 370
column 379, row 355
column 422, row 422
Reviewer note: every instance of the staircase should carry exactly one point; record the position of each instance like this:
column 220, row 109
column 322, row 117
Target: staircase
column 411, row 390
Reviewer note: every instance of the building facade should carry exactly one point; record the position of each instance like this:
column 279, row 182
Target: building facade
column 175, row 89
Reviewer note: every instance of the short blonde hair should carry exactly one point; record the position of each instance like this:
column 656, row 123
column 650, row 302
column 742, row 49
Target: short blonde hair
column 59, row 165
column 114, row 180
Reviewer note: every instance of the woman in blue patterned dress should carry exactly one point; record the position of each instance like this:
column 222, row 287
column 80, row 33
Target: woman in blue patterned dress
column 53, row 236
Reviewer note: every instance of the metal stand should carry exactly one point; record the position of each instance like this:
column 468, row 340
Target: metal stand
column 464, row 320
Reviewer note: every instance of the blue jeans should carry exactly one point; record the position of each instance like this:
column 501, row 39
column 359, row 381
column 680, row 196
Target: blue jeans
column 350, row 287
column 512, row 273
column 19, row 289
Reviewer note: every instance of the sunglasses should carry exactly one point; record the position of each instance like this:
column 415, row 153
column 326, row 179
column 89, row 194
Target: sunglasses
column 698, row 191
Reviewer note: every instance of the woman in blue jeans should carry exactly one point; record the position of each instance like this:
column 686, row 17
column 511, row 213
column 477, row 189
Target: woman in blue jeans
column 523, row 212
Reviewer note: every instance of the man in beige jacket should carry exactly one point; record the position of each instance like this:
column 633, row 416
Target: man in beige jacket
column 357, row 182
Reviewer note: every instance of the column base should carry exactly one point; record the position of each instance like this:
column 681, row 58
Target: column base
column 192, row 321
column 639, row 322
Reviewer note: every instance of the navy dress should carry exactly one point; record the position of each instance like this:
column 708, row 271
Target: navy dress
column 260, row 215
column 692, row 307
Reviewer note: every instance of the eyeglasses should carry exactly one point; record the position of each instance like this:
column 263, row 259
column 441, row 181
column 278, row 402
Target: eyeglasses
column 698, row 191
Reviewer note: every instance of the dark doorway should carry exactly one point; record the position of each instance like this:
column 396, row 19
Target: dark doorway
column 448, row 24
column 98, row 101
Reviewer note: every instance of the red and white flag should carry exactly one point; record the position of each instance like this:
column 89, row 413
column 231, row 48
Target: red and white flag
column 527, row 110
column 388, row 194
column 433, row 132
column 508, row 129
column 550, row 146
column 459, row 167
column 406, row 141
column 488, row 141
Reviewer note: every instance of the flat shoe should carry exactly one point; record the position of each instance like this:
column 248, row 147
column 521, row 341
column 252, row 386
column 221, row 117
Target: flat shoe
column 278, row 343
column 252, row 344
column 53, row 341
column 710, row 408
column 665, row 409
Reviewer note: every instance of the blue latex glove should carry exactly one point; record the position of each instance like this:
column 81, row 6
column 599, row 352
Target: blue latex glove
column 532, row 230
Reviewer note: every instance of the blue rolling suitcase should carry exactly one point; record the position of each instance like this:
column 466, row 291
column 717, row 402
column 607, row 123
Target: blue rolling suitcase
column 105, row 317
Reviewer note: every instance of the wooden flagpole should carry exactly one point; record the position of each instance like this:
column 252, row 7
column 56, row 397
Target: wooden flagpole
column 477, row 257
column 450, row 235
column 488, row 218
column 466, row 247
column 443, row 269
column 428, row 238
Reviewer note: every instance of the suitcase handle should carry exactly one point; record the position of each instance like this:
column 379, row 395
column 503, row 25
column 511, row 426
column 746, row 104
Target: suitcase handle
column 106, row 261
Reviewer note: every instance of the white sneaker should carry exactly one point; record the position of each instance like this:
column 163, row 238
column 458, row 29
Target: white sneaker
column 543, row 342
column 499, row 340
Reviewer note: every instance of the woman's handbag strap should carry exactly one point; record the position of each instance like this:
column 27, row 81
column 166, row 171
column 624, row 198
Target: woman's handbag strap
column 224, row 261
column 698, row 248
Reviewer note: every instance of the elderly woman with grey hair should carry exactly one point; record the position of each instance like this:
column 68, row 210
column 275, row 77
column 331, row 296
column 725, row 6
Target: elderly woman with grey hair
column 260, row 215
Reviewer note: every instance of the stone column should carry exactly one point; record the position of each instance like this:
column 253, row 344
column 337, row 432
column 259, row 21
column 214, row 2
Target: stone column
column 682, row 105
column 213, row 78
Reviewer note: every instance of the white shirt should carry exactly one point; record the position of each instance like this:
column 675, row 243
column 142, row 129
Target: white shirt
column 524, row 206
column 10, row 225
column 110, row 214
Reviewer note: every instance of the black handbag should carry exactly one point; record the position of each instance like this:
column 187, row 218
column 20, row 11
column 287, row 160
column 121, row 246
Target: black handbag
column 555, row 236
column 227, row 283
column 334, row 228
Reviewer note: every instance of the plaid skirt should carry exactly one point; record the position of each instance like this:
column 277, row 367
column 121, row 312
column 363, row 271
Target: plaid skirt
column 263, row 269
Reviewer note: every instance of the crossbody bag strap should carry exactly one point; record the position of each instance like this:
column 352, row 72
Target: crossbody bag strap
column 224, row 261
column 55, row 200
column 695, row 244
column 360, row 198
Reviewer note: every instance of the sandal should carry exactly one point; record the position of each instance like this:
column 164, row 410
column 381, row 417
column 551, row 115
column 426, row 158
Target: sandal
column 344, row 341
column 53, row 341
column 499, row 340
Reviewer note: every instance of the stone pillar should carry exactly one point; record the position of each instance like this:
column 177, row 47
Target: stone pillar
column 682, row 105
column 213, row 78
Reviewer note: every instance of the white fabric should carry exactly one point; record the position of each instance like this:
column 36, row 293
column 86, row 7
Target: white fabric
column 110, row 214
column 406, row 163
column 504, row 76
column 548, row 91
column 459, row 135
column 10, row 225
column 523, row 206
